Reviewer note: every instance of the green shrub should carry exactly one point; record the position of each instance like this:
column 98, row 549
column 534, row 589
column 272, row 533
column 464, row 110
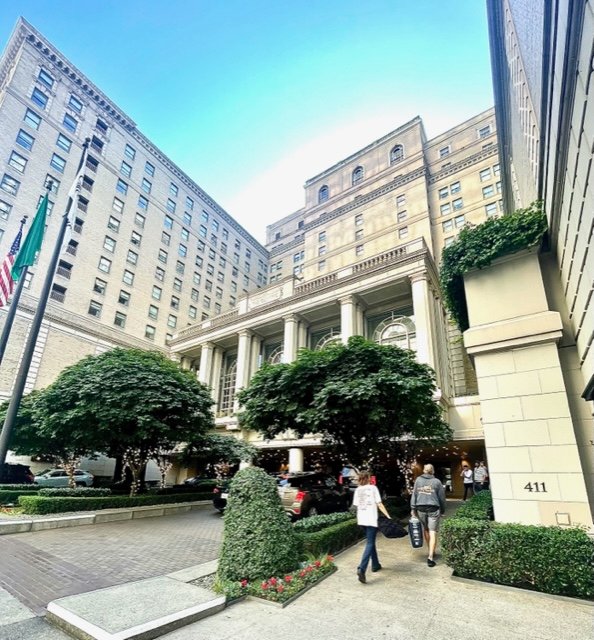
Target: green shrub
column 43, row 504
column 18, row 487
column 477, row 247
column 549, row 559
column 259, row 540
column 79, row 492
column 331, row 539
column 317, row 523
column 11, row 497
column 477, row 508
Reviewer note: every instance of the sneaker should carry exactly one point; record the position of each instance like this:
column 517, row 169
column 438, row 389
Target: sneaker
column 431, row 562
column 376, row 569
column 361, row 576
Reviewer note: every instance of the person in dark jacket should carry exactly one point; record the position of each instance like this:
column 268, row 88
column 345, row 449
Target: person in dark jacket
column 428, row 504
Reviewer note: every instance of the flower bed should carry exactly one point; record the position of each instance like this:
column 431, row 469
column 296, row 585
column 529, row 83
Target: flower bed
column 282, row 589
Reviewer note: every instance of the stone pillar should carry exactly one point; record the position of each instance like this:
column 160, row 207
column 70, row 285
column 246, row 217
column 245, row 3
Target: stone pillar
column 534, row 464
column 423, row 310
column 256, row 352
column 302, row 335
column 295, row 460
column 290, row 338
column 217, row 363
column 186, row 363
column 348, row 318
column 243, row 363
column 205, row 371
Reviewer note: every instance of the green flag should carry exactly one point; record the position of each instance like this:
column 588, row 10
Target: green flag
column 30, row 248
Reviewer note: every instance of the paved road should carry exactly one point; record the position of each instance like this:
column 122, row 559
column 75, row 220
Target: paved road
column 44, row 565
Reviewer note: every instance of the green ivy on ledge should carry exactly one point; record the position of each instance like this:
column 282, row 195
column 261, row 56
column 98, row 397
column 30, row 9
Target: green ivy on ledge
column 477, row 247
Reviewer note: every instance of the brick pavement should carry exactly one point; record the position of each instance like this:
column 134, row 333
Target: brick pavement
column 41, row 566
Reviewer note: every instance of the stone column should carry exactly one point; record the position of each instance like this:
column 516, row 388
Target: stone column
column 302, row 336
column 423, row 310
column 217, row 363
column 348, row 318
column 205, row 371
column 295, row 459
column 243, row 363
column 256, row 351
column 186, row 363
column 290, row 338
column 534, row 465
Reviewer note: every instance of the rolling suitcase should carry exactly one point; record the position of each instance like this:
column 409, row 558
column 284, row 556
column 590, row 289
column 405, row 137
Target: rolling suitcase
column 415, row 531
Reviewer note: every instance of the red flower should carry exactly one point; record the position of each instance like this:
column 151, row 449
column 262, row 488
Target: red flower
column 280, row 588
column 318, row 563
column 288, row 578
column 244, row 583
column 264, row 585
column 272, row 581
column 302, row 573
column 309, row 569
column 330, row 558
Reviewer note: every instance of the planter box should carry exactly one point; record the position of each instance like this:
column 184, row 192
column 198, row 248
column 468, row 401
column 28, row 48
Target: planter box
column 282, row 605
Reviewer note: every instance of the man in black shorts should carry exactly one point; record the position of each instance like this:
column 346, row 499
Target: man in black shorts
column 428, row 503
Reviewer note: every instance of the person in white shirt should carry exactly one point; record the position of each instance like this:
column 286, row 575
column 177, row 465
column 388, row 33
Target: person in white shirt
column 367, row 499
column 467, row 476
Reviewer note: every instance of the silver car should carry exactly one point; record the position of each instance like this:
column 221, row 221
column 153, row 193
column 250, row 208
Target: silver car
column 59, row 478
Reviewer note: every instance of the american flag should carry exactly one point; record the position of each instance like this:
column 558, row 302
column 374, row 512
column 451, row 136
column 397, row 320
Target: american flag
column 6, row 281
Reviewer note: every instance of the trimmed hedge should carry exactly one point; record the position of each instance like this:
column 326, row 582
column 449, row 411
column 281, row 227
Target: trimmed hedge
column 12, row 496
column 549, row 559
column 331, row 539
column 79, row 492
column 44, row 505
column 317, row 523
column 18, row 487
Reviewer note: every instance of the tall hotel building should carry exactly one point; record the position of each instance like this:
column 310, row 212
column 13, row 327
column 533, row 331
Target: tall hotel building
column 149, row 251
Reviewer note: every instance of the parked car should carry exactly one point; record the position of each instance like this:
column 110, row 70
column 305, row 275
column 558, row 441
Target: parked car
column 200, row 482
column 12, row 473
column 59, row 478
column 308, row 494
column 220, row 493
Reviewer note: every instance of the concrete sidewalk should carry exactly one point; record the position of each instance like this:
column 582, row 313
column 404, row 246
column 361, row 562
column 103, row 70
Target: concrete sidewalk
column 405, row 601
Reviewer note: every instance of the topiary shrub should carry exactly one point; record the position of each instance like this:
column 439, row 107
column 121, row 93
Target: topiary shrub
column 259, row 540
column 477, row 508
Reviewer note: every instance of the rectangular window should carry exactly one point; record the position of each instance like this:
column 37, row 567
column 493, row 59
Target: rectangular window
column 142, row 203
column 187, row 218
column 185, row 234
column 182, row 250
column 109, row 244
column 358, row 235
column 104, row 265
column 124, row 298
column 210, row 269
column 217, row 308
column 120, row 319
column 162, row 256
column 156, row 293
column 63, row 142
column 100, row 286
column 126, row 169
column 101, row 126
column 149, row 332
column 17, row 161
column 457, row 204
column 445, row 209
column 402, row 216
column 92, row 164
column 146, row 185
column 220, row 276
column 455, row 187
column 196, row 278
column 52, row 183
column 75, row 104
column 135, row 238
column 39, row 98
column 359, row 219
column 192, row 312
column 400, row 200
column 215, row 226
column 403, row 232
column 208, row 285
column 118, row 205
column 165, row 238
column 322, row 236
column 128, row 277
column 177, row 284
column 139, row 220
column 488, row 191
column 171, row 205
column 496, row 170
column 447, row 225
column 95, row 309
column 171, row 321
column 58, row 163
column 483, row 132
column 5, row 210
column 180, row 267
column 153, row 312
column 168, row 222
column 206, row 302
column 132, row 257
column 322, row 250
column 10, row 185
column 173, row 190
column 113, row 224
column 174, row 304
column 87, row 183
column 212, row 254
column 25, row 140
column 444, row 151
column 485, row 174
column 189, row 203
column 448, row 241
column 203, row 231
column 204, row 216
column 459, row 221
column 121, row 186
column 194, row 295
column 359, row 250
column 45, row 78
column 160, row 274
column 149, row 169
column 32, row 119
column 443, row 193
column 130, row 152
column 498, row 187
column 233, row 286
column 491, row 209
column 321, row 265
column 71, row 123
column 199, row 261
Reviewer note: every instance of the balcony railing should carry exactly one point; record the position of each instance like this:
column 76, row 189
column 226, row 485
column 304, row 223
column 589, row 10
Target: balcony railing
column 57, row 296
column 71, row 250
column 65, row 273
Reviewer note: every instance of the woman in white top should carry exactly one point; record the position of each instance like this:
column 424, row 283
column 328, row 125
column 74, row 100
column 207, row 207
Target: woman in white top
column 367, row 499
column 467, row 476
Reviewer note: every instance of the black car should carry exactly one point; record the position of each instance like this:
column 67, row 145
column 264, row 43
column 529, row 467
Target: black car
column 16, row 474
column 307, row 494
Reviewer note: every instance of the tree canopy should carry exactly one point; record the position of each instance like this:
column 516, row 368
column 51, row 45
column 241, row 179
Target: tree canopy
column 214, row 448
column 362, row 399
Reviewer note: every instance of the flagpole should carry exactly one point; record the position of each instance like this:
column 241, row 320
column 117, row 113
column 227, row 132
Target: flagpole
column 13, row 307
column 19, row 385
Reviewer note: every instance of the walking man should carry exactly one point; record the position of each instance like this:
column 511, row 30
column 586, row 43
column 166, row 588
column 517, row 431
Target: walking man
column 428, row 504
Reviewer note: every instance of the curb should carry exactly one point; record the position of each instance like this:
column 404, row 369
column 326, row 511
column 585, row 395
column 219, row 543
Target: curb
column 8, row 527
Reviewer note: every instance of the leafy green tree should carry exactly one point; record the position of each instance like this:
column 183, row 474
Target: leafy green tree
column 218, row 450
column 127, row 402
column 363, row 399
column 259, row 540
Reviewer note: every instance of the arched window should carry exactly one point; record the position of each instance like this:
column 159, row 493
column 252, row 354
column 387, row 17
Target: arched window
column 332, row 337
column 398, row 332
column 358, row 175
column 227, row 393
column 323, row 193
column 397, row 154
column 276, row 356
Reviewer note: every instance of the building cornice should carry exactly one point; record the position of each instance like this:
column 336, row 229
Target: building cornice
column 475, row 158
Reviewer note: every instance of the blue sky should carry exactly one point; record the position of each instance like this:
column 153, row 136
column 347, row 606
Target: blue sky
column 253, row 97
